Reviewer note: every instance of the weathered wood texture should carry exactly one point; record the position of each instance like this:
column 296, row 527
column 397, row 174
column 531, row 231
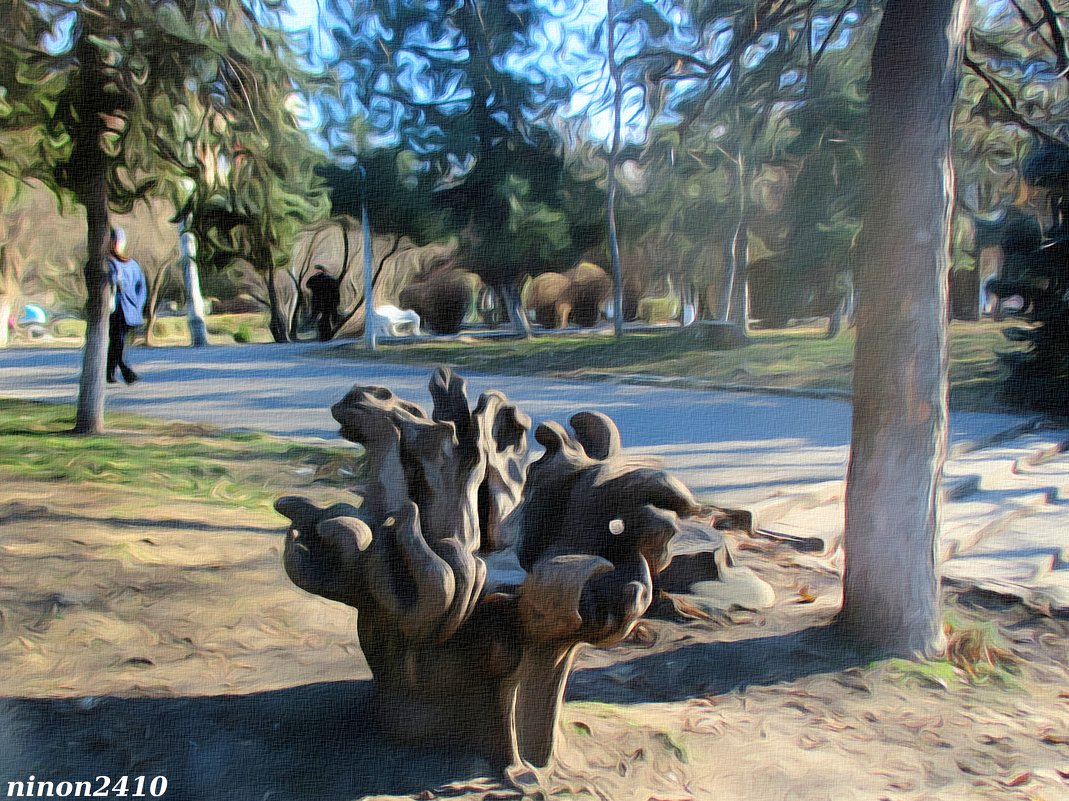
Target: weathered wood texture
column 455, row 662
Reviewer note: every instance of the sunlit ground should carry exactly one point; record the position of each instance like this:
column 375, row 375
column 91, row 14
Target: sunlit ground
column 147, row 627
column 799, row 357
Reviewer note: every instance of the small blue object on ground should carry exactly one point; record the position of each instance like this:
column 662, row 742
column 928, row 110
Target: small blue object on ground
column 33, row 314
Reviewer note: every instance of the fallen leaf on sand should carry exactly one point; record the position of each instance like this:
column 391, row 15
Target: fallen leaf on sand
column 688, row 610
column 1019, row 779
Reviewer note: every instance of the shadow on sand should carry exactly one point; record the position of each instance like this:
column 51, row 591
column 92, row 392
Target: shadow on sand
column 715, row 668
column 311, row 741
column 318, row 741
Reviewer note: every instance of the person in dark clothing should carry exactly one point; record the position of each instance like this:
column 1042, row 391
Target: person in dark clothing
column 131, row 292
column 326, row 297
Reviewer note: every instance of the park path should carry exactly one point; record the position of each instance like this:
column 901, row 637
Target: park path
column 781, row 457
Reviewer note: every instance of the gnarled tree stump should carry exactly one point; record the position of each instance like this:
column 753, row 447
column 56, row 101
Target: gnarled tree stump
column 453, row 661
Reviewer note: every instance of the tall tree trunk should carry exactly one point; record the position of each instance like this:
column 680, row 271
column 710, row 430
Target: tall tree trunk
column 343, row 223
column 736, row 304
column 613, row 186
column 511, row 297
column 8, row 287
column 6, row 304
column 898, row 444
column 298, row 311
column 155, row 286
column 187, row 253
column 93, row 194
column 370, row 333
column 278, row 325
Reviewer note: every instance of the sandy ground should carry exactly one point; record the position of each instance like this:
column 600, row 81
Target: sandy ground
column 137, row 640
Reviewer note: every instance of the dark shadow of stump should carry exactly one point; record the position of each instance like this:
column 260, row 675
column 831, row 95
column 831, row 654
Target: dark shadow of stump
column 313, row 741
column 715, row 668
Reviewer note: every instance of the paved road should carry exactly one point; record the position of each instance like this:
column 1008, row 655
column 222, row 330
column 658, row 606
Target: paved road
column 734, row 449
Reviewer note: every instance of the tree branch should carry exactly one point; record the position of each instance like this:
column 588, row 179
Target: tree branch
column 1057, row 38
column 1006, row 99
column 830, row 37
column 374, row 279
column 694, row 61
column 1033, row 25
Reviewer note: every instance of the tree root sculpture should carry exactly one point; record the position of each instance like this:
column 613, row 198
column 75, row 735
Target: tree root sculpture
column 458, row 660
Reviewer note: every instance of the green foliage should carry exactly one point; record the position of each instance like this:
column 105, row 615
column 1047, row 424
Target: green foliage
column 244, row 334
column 194, row 101
column 1038, row 273
column 452, row 147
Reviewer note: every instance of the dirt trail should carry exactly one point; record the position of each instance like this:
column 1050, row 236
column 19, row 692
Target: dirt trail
column 143, row 640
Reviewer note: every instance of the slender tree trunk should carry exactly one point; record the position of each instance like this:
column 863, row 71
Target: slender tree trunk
column 187, row 253
column 298, row 311
column 612, row 185
column 369, row 281
column 736, row 295
column 835, row 320
column 89, row 418
column 511, row 298
column 8, row 287
column 739, row 311
column 154, row 289
column 898, row 444
column 343, row 223
column 278, row 325
column 6, row 305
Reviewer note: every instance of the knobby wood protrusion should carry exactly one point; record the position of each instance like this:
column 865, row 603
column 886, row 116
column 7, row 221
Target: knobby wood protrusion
column 455, row 663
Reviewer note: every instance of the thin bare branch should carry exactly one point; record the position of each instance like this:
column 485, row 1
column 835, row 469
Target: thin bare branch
column 1061, row 54
column 1005, row 97
column 830, row 37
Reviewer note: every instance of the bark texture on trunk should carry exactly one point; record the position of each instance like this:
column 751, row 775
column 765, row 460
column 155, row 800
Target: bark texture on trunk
column 736, row 306
column 8, row 294
column 370, row 329
column 279, row 321
column 613, row 185
column 89, row 418
column 898, row 444
column 511, row 297
column 6, row 305
column 187, row 248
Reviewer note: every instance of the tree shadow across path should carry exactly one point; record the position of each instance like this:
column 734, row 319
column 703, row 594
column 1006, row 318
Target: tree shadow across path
column 714, row 668
column 310, row 741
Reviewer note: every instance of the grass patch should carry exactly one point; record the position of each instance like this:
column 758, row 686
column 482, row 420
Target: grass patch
column 69, row 327
column 223, row 329
column 249, row 327
column 184, row 460
column 794, row 358
column 977, row 649
column 976, row 653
